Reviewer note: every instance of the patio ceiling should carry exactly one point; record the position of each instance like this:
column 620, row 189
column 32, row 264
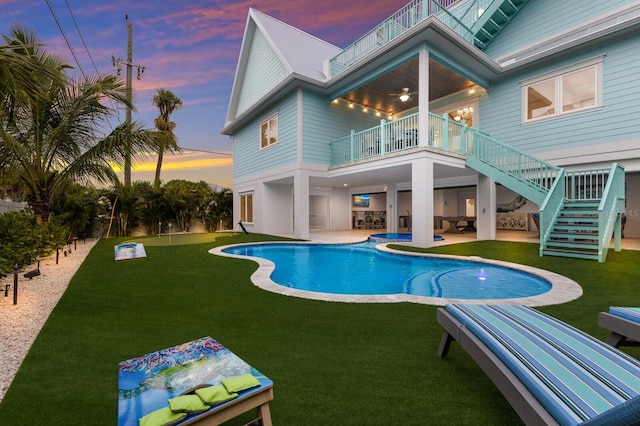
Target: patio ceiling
column 376, row 94
column 388, row 175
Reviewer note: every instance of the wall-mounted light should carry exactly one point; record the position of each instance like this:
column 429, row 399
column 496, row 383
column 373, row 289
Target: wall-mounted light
column 350, row 104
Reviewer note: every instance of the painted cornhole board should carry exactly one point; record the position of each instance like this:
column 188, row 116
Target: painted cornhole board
column 147, row 382
column 126, row 251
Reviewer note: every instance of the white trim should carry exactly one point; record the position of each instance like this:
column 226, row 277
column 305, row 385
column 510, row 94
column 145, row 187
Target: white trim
column 600, row 26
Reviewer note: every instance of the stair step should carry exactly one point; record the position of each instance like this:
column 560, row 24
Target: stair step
column 572, row 236
column 564, row 231
column 571, row 253
column 568, row 220
column 578, row 226
column 583, row 211
column 571, row 245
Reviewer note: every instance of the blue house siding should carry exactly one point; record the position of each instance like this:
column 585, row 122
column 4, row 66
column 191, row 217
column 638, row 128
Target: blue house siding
column 500, row 109
column 324, row 122
column 539, row 20
column 263, row 72
column 249, row 159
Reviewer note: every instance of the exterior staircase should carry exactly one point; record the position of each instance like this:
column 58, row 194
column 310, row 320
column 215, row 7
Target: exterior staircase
column 491, row 16
column 580, row 212
column 574, row 232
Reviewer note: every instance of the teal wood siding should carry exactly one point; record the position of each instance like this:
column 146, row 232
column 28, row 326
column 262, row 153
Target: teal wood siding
column 325, row 122
column 500, row 109
column 263, row 72
column 539, row 20
column 249, row 159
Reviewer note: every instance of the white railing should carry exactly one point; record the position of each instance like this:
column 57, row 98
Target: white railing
column 400, row 135
column 404, row 19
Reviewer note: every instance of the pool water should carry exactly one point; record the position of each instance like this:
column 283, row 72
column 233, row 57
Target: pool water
column 393, row 237
column 361, row 269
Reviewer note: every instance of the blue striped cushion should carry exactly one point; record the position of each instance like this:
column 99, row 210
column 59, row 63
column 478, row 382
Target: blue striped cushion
column 574, row 376
column 631, row 314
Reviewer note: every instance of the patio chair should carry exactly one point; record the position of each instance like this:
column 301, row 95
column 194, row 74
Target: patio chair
column 624, row 324
column 550, row 372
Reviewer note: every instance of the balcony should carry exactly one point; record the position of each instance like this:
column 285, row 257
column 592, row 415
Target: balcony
column 397, row 24
column 401, row 135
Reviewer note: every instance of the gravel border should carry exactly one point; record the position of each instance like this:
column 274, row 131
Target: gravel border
column 21, row 323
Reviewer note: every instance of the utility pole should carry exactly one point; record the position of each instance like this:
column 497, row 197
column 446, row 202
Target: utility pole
column 129, row 63
column 127, row 159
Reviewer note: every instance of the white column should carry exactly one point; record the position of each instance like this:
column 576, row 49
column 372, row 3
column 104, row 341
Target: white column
column 422, row 202
column 301, row 205
column 486, row 208
column 392, row 208
column 423, row 97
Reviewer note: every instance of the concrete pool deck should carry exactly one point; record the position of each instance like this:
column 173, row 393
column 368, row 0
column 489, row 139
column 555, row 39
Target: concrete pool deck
column 563, row 289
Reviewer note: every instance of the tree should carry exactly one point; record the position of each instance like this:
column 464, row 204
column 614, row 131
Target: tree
column 51, row 125
column 185, row 199
column 167, row 102
column 218, row 211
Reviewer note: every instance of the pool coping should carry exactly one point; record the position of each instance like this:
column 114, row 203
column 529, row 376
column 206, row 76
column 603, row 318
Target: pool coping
column 563, row 289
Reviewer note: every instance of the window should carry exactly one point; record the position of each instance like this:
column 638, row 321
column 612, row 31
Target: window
column 269, row 131
column 246, row 208
column 573, row 89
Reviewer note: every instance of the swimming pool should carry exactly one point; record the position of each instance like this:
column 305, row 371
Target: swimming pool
column 361, row 272
column 395, row 237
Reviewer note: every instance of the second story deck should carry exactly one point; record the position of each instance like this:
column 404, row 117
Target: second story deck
column 399, row 136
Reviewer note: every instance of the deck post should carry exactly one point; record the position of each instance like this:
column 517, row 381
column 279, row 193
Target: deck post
column 352, row 147
column 445, row 131
column 423, row 98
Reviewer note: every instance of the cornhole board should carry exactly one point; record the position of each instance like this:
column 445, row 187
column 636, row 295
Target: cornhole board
column 126, row 251
column 147, row 382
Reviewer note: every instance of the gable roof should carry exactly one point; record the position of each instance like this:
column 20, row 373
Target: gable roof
column 298, row 52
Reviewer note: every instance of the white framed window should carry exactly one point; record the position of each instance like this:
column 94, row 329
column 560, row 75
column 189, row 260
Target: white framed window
column 269, row 131
column 570, row 90
column 246, row 207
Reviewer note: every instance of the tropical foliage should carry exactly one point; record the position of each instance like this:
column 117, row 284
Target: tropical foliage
column 22, row 240
column 55, row 129
column 167, row 102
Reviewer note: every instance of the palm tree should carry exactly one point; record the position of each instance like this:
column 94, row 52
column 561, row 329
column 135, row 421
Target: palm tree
column 51, row 125
column 167, row 102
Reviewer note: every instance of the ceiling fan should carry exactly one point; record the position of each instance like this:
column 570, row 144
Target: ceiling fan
column 403, row 96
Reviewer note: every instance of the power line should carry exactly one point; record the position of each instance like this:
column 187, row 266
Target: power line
column 81, row 37
column 208, row 152
column 55, row 18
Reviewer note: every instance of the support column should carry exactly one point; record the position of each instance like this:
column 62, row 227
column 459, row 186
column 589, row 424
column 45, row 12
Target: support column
column 392, row 208
column 422, row 202
column 423, row 98
column 486, row 208
column 301, row 205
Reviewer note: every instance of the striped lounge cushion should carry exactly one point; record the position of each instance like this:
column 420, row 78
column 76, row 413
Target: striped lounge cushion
column 631, row 314
column 577, row 378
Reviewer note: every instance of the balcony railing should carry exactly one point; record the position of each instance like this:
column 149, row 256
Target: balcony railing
column 400, row 135
column 403, row 20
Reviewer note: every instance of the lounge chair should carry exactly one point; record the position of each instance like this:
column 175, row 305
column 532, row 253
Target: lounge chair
column 550, row 372
column 624, row 324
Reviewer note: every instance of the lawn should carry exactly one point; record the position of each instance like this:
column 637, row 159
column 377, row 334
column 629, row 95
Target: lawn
column 331, row 363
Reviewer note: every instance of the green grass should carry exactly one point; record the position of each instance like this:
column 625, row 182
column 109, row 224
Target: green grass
column 331, row 363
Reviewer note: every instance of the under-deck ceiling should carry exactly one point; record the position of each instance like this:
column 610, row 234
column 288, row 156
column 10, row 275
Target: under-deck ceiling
column 376, row 94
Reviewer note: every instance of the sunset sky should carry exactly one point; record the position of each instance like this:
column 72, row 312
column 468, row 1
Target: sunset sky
column 190, row 47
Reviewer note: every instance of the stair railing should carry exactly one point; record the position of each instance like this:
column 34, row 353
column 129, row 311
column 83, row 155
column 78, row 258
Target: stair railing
column 534, row 172
column 612, row 204
column 551, row 208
